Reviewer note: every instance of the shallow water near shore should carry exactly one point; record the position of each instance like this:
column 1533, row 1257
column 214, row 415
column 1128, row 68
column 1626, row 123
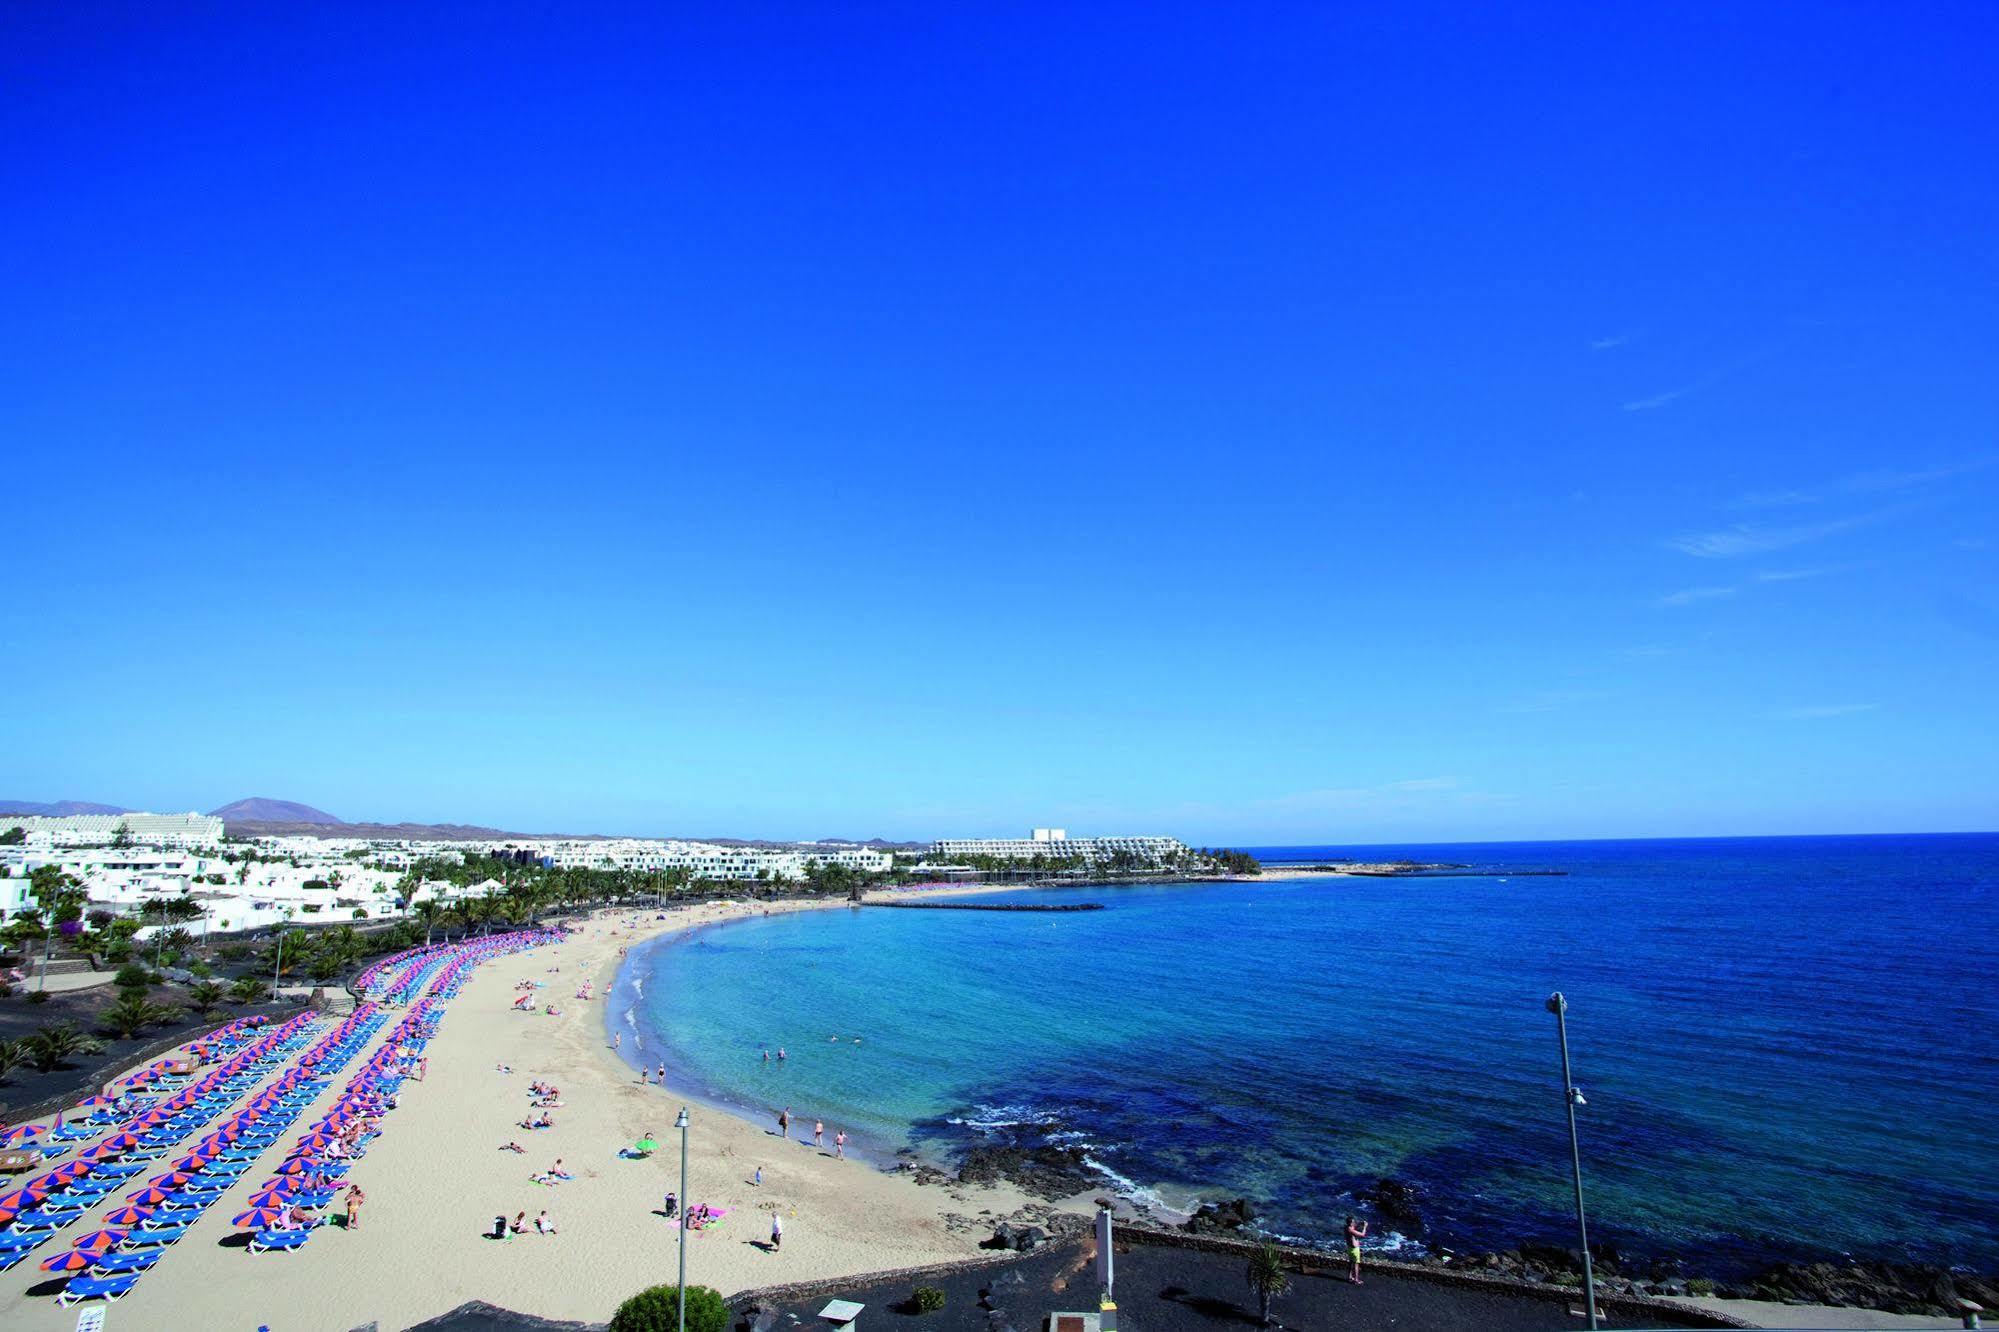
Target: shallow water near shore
column 1786, row 1043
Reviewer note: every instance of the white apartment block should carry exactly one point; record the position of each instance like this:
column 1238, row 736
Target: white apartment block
column 181, row 830
column 704, row 860
column 1056, row 843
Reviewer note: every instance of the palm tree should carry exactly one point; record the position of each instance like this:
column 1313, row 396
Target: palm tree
column 428, row 912
column 134, row 1013
column 205, row 998
column 248, row 988
column 13, row 1054
column 48, row 1047
column 1267, row 1278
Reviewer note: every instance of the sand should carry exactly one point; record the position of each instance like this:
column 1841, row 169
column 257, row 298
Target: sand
column 437, row 1177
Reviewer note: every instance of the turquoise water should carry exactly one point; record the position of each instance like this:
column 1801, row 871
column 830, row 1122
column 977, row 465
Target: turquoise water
column 1786, row 1044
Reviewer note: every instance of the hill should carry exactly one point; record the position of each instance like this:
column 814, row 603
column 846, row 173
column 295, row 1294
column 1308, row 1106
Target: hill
column 261, row 809
column 409, row 832
column 59, row 809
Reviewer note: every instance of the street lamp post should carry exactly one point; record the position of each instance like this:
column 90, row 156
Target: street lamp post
column 681, row 1124
column 1571, row 1098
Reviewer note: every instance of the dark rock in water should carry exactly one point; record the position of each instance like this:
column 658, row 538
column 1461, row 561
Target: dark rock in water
column 1552, row 1257
column 1044, row 1172
column 1904, row 1288
column 1397, row 1203
column 1223, row 1218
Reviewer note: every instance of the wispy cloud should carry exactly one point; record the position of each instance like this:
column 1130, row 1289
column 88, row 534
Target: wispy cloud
column 1424, row 784
column 1689, row 596
column 1789, row 575
column 1659, row 399
column 1706, row 381
column 1820, row 711
column 1740, row 539
column 1882, row 481
column 1611, row 343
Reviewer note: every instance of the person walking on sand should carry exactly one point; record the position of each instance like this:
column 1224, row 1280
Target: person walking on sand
column 840, row 1144
column 776, row 1232
column 1356, row 1231
column 819, row 1134
column 662, row 1075
column 784, row 1122
column 354, row 1200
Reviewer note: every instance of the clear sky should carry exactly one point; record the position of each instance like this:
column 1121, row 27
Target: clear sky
column 1255, row 424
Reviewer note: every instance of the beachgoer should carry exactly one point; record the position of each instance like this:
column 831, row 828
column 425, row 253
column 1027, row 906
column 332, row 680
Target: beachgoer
column 618, row 1041
column 765, row 1050
column 514, row 1147
column 520, row 1223
column 544, row 1225
column 1356, row 1231
column 840, row 1144
column 776, row 1231
column 354, row 1200
column 819, row 1133
column 759, row 1180
column 780, row 1052
column 662, row 1075
column 672, row 1206
column 784, row 1122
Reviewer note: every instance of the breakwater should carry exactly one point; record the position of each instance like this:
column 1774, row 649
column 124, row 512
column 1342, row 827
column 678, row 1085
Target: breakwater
column 987, row 906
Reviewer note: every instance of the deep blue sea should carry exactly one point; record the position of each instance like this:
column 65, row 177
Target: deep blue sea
column 1787, row 1044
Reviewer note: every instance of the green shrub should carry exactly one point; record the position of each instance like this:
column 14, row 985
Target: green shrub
column 1700, row 1286
column 132, row 976
column 234, row 952
column 657, row 1309
column 38, row 996
column 927, row 1299
column 200, row 970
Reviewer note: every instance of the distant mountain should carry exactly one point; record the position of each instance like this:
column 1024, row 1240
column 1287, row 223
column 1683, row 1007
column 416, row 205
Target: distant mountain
column 59, row 809
column 399, row 832
column 259, row 809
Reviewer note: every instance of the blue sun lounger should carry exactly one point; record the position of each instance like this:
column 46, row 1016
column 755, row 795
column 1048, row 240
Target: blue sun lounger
column 111, row 1264
column 86, row 1287
column 265, row 1241
column 150, row 1238
column 48, row 1219
column 11, row 1241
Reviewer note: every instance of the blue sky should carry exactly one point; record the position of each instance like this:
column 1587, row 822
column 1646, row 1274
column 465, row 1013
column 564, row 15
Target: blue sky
column 1275, row 424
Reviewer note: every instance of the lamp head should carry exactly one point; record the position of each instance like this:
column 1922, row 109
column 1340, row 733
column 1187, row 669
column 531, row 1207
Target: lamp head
column 1556, row 1004
column 681, row 1123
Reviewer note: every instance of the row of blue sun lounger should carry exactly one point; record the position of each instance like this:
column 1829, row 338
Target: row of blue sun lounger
column 115, row 1271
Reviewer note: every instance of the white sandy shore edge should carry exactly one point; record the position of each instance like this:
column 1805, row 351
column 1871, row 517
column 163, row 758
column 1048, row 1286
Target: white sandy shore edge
column 437, row 1177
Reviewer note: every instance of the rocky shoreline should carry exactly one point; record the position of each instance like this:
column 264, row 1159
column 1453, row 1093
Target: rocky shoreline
column 1899, row 1288
column 1054, row 1172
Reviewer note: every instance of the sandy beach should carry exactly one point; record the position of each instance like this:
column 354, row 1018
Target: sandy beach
column 438, row 1176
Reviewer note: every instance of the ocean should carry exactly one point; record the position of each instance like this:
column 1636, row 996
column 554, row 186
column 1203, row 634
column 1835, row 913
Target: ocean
column 1786, row 1044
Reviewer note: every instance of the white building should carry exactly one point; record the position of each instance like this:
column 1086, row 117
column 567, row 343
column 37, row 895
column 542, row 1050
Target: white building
column 705, row 860
column 181, row 830
column 1055, row 843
